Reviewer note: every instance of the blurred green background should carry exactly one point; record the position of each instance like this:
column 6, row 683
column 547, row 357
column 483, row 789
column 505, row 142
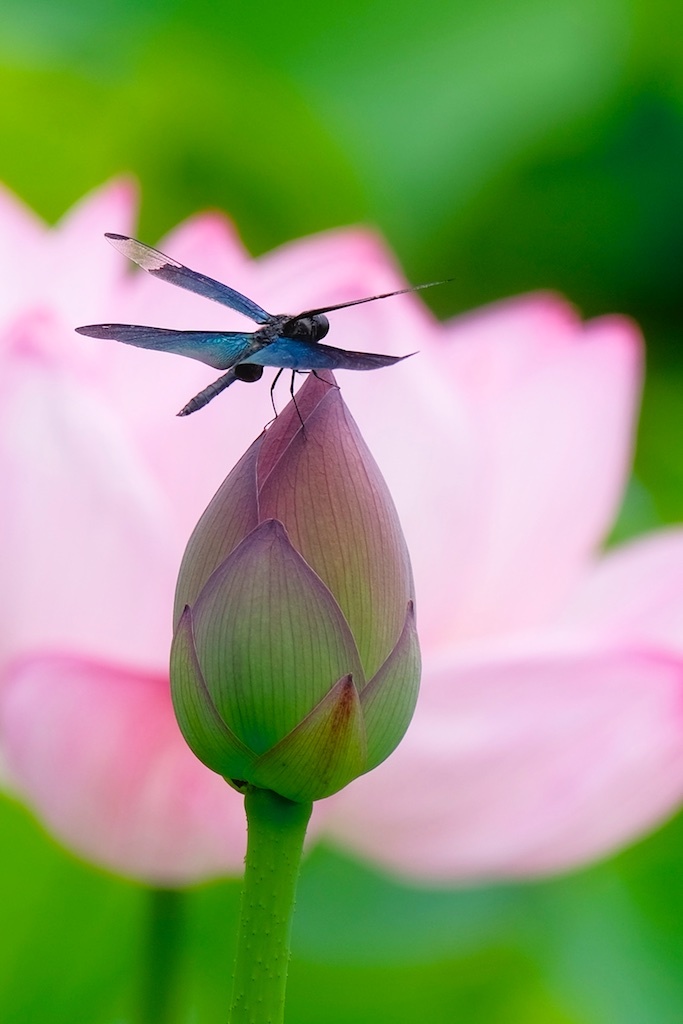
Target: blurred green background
column 513, row 145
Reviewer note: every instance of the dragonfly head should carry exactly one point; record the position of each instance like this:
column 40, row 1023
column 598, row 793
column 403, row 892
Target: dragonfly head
column 307, row 328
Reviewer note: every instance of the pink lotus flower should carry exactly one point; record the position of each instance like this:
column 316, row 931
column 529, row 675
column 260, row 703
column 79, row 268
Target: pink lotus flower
column 549, row 727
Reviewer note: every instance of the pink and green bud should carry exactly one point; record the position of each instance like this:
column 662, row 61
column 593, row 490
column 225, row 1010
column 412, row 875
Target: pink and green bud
column 295, row 662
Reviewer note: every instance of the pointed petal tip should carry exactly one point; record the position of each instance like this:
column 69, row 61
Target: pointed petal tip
column 323, row 753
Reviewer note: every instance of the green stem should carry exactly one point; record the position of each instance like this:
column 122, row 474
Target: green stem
column 276, row 836
column 159, row 995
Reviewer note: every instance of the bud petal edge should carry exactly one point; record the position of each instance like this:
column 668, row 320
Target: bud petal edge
column 205, row 732
column 323, row 753
column 389, row 699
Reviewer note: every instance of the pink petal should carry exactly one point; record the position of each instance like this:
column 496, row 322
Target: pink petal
column 69, row 270
column 79, row 269
column 22, row 232
column 334, row 266
column 524, row 470
column 96, row 751
column 187, row 459
column 634, row 594
column 523, row 766
column 87, row 538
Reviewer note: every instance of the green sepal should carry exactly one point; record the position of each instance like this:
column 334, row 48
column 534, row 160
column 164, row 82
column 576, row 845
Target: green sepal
column 270, row 638
column 388, row 701
column 322, row 754
column 205, row 732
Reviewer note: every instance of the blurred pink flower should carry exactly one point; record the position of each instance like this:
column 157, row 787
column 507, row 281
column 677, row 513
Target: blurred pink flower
column 550, row 726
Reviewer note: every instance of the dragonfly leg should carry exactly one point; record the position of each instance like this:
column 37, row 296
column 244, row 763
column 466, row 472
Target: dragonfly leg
column 323, row 381
column 291, row 391
column 272, row 389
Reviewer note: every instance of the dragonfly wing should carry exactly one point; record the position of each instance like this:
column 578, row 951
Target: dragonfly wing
column 221, row 349
column 307, row 355
column 159, row 265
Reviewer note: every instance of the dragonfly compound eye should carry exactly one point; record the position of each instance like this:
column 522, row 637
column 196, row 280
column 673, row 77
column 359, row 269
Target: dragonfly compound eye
column 307, row 328
column 321, row 326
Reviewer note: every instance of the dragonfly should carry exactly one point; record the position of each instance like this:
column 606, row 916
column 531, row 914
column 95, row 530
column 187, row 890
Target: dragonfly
column 283, row 341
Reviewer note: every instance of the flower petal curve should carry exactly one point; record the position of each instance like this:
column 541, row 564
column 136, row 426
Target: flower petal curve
column 84, row 529
column 528, row 470
column 389, row 699
column 95, row 749
column 204, row 730
column 231, row 514
column 523, row 767
column 633, row 594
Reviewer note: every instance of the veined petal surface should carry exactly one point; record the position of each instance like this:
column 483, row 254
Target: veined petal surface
column 96, row 750
column 270, row 638
column 523, row 765
column 204, row 730
column 351, row 535
column 389, row 699
column 325, row 751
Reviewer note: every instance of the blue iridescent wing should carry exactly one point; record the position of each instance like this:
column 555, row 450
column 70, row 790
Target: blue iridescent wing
column 221, row 349
column 308, row 355
column 294, row 355
column 159, row 265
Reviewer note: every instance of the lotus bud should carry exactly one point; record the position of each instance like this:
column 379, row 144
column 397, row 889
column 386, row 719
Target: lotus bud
column 295, row 662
